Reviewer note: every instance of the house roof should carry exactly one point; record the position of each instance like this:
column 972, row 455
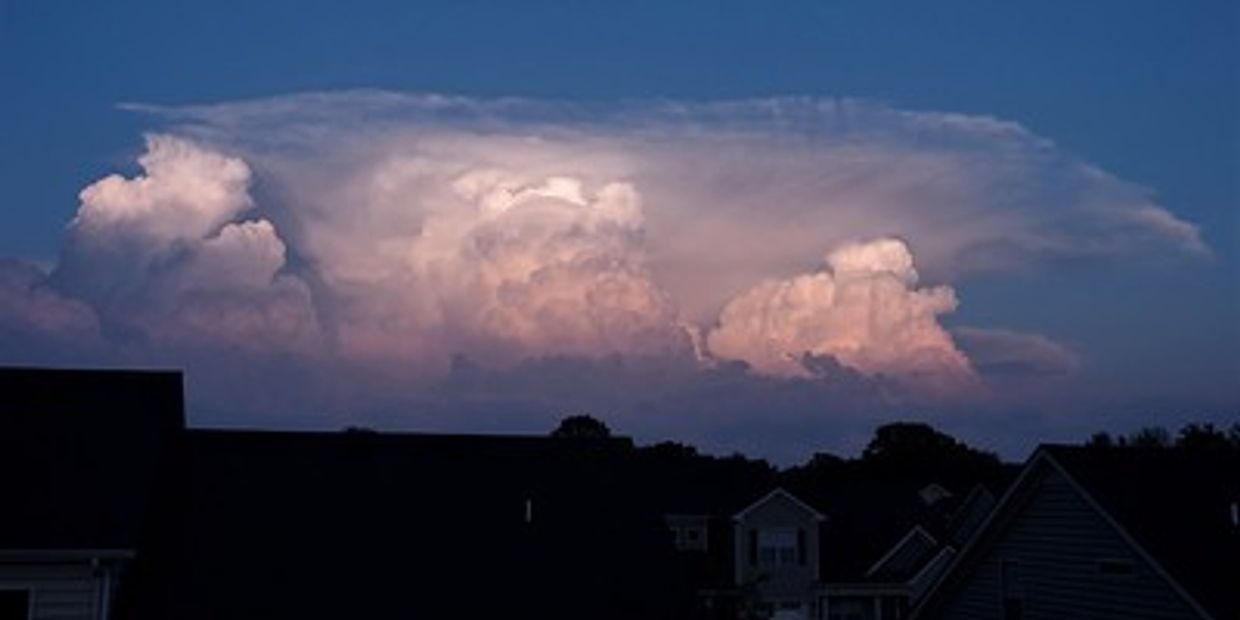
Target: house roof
column 906, row 557
column 779, row 493
column 82, row 453
column 1171, row 505
column 1176, row 505
column 403, row 525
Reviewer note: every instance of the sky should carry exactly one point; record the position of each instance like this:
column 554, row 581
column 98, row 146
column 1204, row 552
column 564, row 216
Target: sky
column 750, row 227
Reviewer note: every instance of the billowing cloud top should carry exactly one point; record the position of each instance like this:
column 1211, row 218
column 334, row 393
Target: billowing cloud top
column 381, row 230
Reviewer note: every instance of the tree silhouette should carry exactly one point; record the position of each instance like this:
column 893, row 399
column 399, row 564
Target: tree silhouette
column 581, row 427
column 1150, row 437
column 916, row 442
column 915, row 449
column 1103, row 439
column 1202, row 437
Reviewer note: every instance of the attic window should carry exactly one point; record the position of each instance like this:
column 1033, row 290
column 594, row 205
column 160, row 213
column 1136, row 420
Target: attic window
column 1112, row 566
column 14, row 604
column 777, row 546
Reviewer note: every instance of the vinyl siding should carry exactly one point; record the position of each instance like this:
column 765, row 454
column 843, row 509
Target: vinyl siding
column 58, row 591
column 1056, row 540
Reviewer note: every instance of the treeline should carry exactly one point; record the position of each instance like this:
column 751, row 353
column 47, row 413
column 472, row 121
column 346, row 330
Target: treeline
column 1197, row 437
column 896, row 450
column 901, row 447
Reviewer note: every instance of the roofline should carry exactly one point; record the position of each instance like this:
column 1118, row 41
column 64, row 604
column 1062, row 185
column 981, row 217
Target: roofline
column 1040, row 454
column 66, row 554
column 256, row 433
column 1123, row 533
column 890, row 552
column 98, row 370
column 925, row 567
column 779, row 491
column 966, row 550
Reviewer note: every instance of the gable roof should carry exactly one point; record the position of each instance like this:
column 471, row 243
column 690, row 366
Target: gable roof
column 906, row 557
column 779, row 492
column 1171, row 506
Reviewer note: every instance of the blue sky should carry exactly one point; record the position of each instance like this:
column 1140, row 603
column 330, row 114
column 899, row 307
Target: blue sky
column 1147, row 90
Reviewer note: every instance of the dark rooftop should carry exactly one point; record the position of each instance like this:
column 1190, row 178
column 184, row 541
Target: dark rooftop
column 1177, row 505
column 81, row 452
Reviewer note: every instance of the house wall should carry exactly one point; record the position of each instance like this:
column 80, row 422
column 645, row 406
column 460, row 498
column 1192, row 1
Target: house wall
column 780, row 582
column 60, row 591
column 1056, row 541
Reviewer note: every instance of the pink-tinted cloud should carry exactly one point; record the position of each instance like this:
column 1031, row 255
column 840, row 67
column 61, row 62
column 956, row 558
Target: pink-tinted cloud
column 863, row 309
column 375, row 237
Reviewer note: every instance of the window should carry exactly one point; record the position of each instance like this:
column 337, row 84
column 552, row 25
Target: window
column 690, row 537
column 777, row 546
column 14, row 604
column 688, row 532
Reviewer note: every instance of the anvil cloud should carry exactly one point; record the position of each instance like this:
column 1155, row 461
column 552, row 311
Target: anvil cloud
column 400, row 232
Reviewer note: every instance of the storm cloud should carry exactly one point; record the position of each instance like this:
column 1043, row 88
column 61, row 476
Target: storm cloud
column 381, row 239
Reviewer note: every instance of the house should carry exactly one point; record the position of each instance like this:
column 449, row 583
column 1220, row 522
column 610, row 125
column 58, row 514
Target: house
column 901, row 576
column 270, row 524
column 81, row 457
column 776, row 542
column 1088, row 532
column 849, row 558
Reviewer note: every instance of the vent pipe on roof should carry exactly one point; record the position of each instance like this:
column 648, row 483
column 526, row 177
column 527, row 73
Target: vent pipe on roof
column 1235, row 514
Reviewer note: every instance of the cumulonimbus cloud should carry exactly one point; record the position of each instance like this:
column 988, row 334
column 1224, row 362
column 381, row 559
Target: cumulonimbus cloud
column 403, row 230
column 863, row 309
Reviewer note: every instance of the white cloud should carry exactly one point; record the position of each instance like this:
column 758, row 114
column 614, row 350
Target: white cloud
column 863, row 309
column 163, row 256
column 185, row 192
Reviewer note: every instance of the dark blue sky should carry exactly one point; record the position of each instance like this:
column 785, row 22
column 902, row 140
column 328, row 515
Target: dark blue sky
column 1147, row 90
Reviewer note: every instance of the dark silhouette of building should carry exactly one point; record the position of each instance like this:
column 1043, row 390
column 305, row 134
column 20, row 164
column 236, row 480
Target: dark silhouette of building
column 867, row 548
column 1105, row 533
column 82, row 458
column 112, row 508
